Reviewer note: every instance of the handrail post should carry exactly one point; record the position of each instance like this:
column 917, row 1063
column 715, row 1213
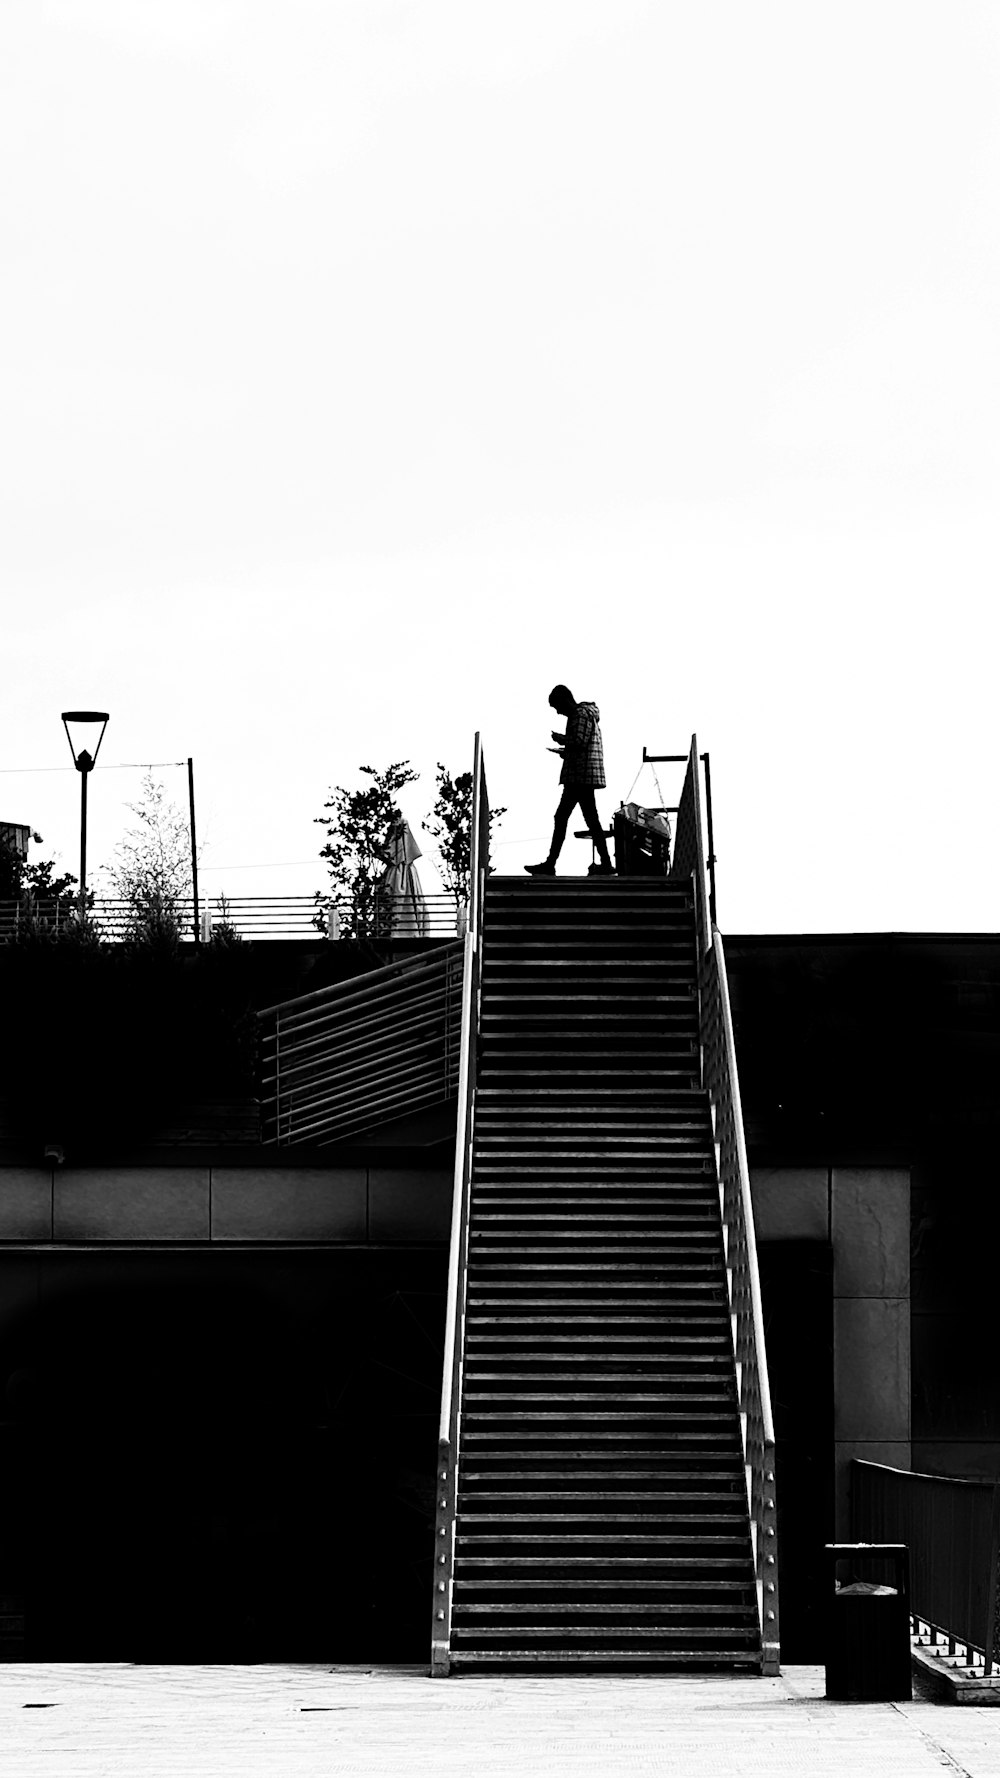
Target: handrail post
column 992, row 1636
column 277, row 1077
column 712, row 910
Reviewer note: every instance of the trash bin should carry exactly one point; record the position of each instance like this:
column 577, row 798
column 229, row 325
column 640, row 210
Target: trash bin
column 868, row 1624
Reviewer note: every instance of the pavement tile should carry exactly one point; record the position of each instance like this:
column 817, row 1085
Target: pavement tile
column 86, row 1721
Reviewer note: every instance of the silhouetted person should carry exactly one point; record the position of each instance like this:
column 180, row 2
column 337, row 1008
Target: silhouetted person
column 582, row 753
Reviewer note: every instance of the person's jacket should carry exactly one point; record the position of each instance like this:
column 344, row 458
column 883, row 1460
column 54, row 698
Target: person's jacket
column 583, row 758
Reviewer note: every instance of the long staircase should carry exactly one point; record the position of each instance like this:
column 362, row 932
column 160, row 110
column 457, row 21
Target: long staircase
column 602, row 1499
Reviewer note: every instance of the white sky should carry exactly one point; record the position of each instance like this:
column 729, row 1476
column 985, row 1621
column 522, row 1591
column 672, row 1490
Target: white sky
column 370, row 365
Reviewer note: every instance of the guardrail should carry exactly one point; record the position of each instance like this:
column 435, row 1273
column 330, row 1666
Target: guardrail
column 378, row 1046
column 952, row 1529
column 252, row 916
column 721, row 1079
column 451, row 1391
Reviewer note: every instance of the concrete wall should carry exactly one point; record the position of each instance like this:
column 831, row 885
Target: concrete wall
column 864, row 1213
column 356, row 1206
column 219, row 1451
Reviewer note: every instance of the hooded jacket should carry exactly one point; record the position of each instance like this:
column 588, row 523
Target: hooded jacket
column 583, row 759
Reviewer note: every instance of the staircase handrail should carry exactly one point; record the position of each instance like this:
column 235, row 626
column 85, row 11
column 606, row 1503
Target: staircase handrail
column 689, row 846
column 721, row 1079
column 446, row 1478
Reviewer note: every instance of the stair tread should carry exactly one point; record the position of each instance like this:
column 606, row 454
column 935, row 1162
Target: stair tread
column 589, row 1630
column 570, row 1555
column 574, row 1494
column 479, row 1418
column 576, row 1474
column 597, row 1608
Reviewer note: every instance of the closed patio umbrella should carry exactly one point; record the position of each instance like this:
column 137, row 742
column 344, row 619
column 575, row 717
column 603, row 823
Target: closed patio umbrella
column 409, row 916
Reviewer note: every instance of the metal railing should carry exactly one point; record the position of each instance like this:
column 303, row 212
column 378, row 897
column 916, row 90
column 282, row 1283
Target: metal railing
column 451, row 1390
column 362, row 1052
column 952, row 1529
column 689, row 846
column 252, row 916
column 721, row 1080
column 684, row 855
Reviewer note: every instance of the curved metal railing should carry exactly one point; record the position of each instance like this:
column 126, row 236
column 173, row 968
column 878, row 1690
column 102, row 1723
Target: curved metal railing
column 951, row 1527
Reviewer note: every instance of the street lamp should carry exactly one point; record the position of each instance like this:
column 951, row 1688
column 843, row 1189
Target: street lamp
column 84, row 762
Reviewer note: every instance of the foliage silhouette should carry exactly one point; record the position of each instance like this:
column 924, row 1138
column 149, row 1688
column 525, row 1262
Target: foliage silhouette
column 450, row 824
column 359, row 848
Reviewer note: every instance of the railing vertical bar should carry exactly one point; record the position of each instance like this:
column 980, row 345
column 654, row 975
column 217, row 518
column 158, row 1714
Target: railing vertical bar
column 277, row 1077
column 992, row 1637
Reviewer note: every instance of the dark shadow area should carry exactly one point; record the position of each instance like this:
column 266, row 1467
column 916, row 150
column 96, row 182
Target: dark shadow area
column 220, row 1458
column 881, row 1043
column 797, row 1291
column 955, row 1232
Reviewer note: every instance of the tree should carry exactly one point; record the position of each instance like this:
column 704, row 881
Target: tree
column 358, row 847
column 451, row 826
column 151, row 867
column 45, row 899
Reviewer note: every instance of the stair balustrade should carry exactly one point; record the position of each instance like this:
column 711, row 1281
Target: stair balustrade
column 446, row 1478
column 721, row 1079
column 722, row 1083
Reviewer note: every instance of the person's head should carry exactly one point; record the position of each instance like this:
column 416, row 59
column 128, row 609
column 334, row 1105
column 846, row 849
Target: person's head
column 562, row 700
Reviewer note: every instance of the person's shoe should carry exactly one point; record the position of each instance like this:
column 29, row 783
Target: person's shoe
column 541, row 870
column 602, row 870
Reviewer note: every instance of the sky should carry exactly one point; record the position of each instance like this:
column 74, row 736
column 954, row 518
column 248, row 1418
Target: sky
column 370, row 366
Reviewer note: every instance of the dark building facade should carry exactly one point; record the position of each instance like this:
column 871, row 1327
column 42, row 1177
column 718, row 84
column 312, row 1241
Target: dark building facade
column 221, row 1363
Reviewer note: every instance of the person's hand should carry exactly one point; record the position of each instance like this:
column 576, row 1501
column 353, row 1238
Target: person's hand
column 558, row 737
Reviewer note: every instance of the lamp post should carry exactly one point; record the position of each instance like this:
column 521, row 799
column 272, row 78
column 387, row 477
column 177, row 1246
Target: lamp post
column 84, row 762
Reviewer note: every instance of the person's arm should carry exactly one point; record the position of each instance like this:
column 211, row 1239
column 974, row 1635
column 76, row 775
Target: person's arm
column 579, row 729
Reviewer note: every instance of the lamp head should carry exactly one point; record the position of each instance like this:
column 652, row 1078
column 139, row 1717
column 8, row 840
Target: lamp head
column 81, row 720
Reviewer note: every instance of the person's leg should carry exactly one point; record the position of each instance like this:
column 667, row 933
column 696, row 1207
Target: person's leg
column 588, row 809
column 567, row 803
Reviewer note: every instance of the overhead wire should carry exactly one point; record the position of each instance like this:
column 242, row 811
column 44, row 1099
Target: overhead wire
column 123, row 765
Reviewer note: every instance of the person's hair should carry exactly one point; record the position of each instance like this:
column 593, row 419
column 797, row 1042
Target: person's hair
column 559, row 695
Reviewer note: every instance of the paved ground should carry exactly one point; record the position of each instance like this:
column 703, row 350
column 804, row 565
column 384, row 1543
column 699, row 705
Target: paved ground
column 74, row 1721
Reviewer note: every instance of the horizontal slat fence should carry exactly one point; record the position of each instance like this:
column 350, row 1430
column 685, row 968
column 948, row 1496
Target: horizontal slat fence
column 255, row 916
